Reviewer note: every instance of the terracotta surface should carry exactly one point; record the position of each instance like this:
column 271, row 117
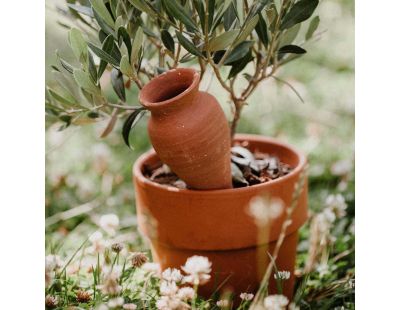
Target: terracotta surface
column 188, row 129
column 217, row 224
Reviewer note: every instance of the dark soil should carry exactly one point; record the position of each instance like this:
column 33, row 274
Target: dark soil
column 247, row 169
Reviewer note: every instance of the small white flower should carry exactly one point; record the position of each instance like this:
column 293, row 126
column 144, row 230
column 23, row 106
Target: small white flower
column 198, row 269
column 98, row 242
column 153, row 269
column 102, row 307
column 246, row 296
column 323, row 269
column 223, row 303
column 329, row 215
column 186, row 293
column 170, row 303
column 172, row 275
column 276, row 302
column 264, row 210
column 282, row 275
column 53, row 262
column 293, row 306
column 116, row 302
column 129, row 307
column 337, row 204
column 341, row 167
column 110, row 284
column 168, row 288
column 109, row 223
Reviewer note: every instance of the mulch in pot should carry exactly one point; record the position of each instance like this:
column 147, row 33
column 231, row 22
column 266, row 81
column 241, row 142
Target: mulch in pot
column 248, row 168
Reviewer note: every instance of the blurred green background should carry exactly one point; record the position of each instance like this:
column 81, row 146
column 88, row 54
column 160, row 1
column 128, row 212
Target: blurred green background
column 87, row 176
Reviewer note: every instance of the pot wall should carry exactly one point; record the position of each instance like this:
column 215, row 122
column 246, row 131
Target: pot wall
column 217, row 224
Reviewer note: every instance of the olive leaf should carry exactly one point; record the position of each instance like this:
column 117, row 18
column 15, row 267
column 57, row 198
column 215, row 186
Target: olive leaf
column 292, row 49
column 65, row 99
column 103, row 25
column 106, row 56
column 313, row 26
column 239, row 51
column 78, row 44
column 239, row 65
column 167, row 40
column 85, row 10
column 175, row 9
column 130, row 122
column 136, row 45
column 223, row 41
column 126, row 67
column 107, row 47
column 101, row 9
column 92, row 68
column 117, row 81
column 299, row 12
column 230, row 16
column 143, row 7
column 83, row 79
column 290, row 35
column 119, row 22
column 189, row 46
column 122, row 33
column 247, row 29
column 261, row 29
column 65, row 64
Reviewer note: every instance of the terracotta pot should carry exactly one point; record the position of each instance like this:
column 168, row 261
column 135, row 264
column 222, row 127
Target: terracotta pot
column 182, row 223
column 188, row 129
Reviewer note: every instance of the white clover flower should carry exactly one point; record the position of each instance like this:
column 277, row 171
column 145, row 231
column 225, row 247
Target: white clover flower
column 341, row 167
column 276, row 302
column 53, row 262
column 172, row 275
column 282, row 275
column 110, row 285
column 198, row 269
column 98, row 242
column 246, row 296
column 264, row 210
column 102, row 307
column 109, row 223
column 168, row 288
column 223, row 303
column 293, row 306
column 129, row 307
column 170, row 303
column 153, row 269
column 323, row 269
column 186, row 293
column 329, row 215
column 337, row 204
column 116, row 302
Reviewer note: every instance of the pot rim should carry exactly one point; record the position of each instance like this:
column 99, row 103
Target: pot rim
column 151, row 104
column 137, row 171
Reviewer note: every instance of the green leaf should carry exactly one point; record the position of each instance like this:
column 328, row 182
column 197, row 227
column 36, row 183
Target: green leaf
column 230, row 16
column 136, row 45
column 126, row 67
column 290, row 35
column 101, row 9
column 223, row 41
column 130, row 122
column 262, row 31
column 122, row 32
column 313, row 26
column 92, row 68
column 78, row 45
column 256, row 8
column 85, row 10
column 143, row 7
column 292, row 49
column 239, row 65
column 119, row 22
column 103, row 25
column 189, row 46
column 65, row 64
column 107, row 47
column 299, row 12
column 198, row 4
column 65, row 99
column 167, row 40
column 247, row 29
column 211, row 8
column 179, row 12
column 104, row 55
column 83, row 79
column 239, row 52
column 117, row 81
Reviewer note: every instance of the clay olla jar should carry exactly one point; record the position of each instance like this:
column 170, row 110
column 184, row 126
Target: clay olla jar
column 188, row 129
column 216, row 223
